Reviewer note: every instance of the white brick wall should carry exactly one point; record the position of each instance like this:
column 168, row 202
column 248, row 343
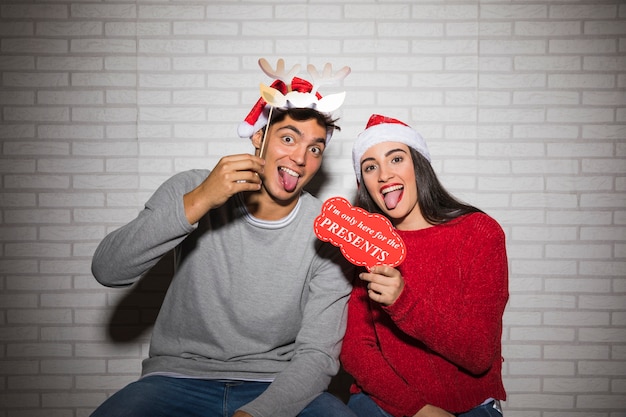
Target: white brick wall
column 523, row 106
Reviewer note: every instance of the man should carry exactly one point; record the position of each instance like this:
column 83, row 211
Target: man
column 253, row 320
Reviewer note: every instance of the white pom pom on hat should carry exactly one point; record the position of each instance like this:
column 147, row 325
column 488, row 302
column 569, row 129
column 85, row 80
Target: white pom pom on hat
column 385, row 129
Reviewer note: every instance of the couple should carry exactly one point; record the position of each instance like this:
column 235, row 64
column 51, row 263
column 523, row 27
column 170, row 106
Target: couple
column 254, row 319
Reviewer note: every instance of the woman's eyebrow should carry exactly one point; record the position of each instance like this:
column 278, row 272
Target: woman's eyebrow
column 395, row 150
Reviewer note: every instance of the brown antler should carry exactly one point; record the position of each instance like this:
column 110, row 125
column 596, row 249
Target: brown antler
column 327, row 76
column 279, row 73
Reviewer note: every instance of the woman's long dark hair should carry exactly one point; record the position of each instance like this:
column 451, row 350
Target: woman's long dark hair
column 435, row 202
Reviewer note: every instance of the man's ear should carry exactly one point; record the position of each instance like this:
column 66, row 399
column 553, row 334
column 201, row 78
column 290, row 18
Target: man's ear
column 257, row 138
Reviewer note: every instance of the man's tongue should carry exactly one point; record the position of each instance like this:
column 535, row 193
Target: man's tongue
column 392, row 198
column 289, row 181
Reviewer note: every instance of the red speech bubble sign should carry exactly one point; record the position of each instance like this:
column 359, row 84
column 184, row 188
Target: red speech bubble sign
column 365, row 239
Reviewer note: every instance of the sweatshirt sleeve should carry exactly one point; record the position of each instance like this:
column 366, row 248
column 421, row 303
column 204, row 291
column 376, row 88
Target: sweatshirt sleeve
column 463, row 321
column 125, row 254
column 318, row 343
column 362, row 358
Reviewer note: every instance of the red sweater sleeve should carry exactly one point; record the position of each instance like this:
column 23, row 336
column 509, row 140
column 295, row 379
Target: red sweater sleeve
column 362, row 358
column 459, row 315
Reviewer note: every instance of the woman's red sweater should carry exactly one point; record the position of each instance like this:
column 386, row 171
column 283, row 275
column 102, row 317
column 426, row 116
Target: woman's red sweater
column 440, row 342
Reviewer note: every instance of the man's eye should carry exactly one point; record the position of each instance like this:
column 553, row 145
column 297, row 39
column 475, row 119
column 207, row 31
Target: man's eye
column 288, row 139
column 317, row 150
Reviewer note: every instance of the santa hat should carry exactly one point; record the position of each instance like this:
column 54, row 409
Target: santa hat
column 257, row 118
column 385, row 129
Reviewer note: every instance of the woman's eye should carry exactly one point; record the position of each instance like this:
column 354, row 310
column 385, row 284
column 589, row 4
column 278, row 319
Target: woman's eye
column 368, row 168
column 396, row 159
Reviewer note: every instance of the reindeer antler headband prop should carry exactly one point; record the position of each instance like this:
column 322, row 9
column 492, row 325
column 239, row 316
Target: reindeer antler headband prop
column 288, row 91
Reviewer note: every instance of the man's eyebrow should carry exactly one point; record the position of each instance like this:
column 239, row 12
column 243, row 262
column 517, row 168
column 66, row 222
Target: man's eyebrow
column 292, row 128
column 299, row 133
column 321, row 140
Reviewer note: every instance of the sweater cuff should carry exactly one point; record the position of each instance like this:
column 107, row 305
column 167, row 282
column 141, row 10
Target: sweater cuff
column 406, row 303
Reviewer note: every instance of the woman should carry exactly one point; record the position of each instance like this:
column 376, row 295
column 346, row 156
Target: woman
column 424, row 339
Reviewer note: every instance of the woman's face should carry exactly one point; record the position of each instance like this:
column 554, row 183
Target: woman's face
column 389, row 177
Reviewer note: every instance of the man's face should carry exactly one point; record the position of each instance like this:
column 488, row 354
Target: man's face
column 293, row 154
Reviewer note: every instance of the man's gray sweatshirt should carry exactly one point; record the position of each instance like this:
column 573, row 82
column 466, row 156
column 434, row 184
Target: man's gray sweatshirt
column 249, row 299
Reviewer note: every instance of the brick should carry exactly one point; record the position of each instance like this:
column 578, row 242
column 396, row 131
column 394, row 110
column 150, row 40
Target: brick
column 65, row 132
column 104, row 80
column 547, row 28
column 34, row 46
column 71, row 399
column 536, row 368
column 74, row 97
column 613, row 335
column 583, row 11
column 17, row 98
column 298, row 28
column 579, row 251
column 17, row 63
column 69, row 63
column 63, row 28
column 549, row 63
column 36, row 249
column 178, row 12
column 590, row 183
column 582, row 46
column 228, row 11
column 38, row 216
column 504, row 11
column 105, row 115
column 44, row 283
column 104, row 11
column 18, row 233
column 37, row 114
column 596, row 402
column 589, row 351
column 34, row 11
column 78, row 366
column 16, row 29
column 39, row 350
column 607, row 27
column 571, row 385
column 581, row 81
column 521, row 47
column 175, row 47
column 99, row 45
column 401, row 30
column 40, row 382
column 104, row 382
column 543, row 301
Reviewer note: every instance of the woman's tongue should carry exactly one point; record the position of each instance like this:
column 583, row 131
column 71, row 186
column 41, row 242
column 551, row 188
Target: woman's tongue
column 289, row 181
column 392, row 198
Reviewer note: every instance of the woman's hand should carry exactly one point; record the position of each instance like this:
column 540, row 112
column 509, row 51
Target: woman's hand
column 385, row 284
column 231, row 175
column 432, row 411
